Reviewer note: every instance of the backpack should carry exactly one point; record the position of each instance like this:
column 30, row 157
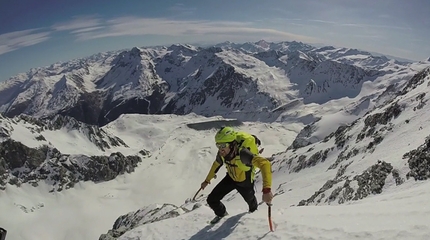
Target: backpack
column 258, row 143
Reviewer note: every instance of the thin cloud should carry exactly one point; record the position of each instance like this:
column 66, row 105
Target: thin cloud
column 133, row 26
column 15, row 40
column 369, row 36
column 306, row 22
column 90, row 29
column 79, row 22
column 322, row 21
column 358, row 25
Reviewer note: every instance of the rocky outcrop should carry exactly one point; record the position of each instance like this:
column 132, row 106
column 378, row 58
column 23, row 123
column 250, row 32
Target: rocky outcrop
column 102, row 139
column 369, row 182
column 149, row 214
column 419, row 161
column 20, row 164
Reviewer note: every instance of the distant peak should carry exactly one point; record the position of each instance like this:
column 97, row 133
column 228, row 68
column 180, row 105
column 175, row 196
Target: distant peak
column 135, row 50
column 263, row 43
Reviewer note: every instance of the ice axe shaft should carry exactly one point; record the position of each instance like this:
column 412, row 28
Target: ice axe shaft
column 195, row 195
column 269, row 216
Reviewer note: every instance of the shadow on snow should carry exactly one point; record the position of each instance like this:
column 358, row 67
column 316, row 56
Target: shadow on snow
column 225, row 229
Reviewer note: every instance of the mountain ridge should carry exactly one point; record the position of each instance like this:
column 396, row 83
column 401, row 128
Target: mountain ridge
column 181, row 78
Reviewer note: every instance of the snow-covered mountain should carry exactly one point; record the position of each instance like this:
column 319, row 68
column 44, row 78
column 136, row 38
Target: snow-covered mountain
column 360, row 175
column 341, row 166
column 363, row 162
column 249, row 81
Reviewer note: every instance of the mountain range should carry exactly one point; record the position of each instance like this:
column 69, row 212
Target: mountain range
column 118, row 131
column 230, row 80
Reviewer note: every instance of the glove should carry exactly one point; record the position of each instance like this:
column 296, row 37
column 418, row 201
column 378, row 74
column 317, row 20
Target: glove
column 204, row 184
column 267, row 195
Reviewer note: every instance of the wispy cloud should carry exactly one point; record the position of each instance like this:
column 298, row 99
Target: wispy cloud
column 85, row 28
column 369, row 36
column 90, row 29
column 16, row 40
column 134, row 26
column 358, row 25
column 78, row 22
column 311, row 22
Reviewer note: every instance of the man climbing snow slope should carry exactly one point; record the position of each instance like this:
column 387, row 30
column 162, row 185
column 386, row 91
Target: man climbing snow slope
column 239, row 152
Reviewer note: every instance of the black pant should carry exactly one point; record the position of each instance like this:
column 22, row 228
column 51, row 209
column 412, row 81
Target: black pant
column 2, row 233
column 225, row 187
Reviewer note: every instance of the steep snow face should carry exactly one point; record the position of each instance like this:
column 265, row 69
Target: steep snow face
column 132, row 76
column 45, row 91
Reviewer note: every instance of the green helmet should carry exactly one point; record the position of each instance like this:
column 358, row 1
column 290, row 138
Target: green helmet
column 225, row 135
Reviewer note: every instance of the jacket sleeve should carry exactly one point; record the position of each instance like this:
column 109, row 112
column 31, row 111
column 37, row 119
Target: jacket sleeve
column 214, row 169
column 248, row 158
column 266, row 170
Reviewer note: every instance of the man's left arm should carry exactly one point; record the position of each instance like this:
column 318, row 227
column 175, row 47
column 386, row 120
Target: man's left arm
column 266, row 171
column 265, row 166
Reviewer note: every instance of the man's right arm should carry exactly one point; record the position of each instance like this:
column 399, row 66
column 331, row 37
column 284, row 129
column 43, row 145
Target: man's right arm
column 214, row 169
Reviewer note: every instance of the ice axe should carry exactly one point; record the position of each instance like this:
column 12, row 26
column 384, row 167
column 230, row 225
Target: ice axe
column 197, row 193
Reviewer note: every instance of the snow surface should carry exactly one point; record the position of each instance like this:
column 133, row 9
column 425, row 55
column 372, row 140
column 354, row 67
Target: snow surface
column 180, row 160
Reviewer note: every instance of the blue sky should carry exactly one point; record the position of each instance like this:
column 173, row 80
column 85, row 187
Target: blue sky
column 38, row 33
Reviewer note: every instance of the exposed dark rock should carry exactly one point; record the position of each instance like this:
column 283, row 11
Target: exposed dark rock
column 343, row 156
column 21, row 164
column 87, row 109
column 419, row 161
column 17, row 155
column 144, row 152
column 371, row 181
column 383, row 118
column 415, row 81
column 341, row 137
column 303, row 138
column 103, row 168
column 317, row 157
column 40, row 138
column 151, row 104
column 4, row 132
column 149, row 214
column 18, row 109
column 397, row 178
column 95, row 134
column 329, row 184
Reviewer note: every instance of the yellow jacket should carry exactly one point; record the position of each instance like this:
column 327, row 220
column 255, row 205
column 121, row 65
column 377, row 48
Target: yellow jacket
column 242, row 168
